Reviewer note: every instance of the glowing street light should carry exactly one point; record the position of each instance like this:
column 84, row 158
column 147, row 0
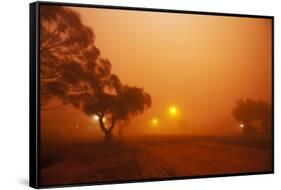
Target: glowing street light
column 173, row 110
column 241, row 125
column 155, row 122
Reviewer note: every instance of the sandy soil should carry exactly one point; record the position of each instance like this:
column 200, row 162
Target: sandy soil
column 153, row 157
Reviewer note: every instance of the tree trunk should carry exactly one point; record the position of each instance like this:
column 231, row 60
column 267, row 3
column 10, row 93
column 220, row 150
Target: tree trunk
column 108, row 137
column 120, row 132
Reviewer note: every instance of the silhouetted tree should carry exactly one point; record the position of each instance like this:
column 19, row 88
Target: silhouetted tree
column 255, row 115
column 67, row 50
column 72, row 70
column 119, row 106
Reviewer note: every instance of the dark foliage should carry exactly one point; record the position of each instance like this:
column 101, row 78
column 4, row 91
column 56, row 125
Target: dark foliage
column 73, row 71
column 255, row 115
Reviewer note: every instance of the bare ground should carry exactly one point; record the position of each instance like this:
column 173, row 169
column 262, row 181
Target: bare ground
column 153, row 157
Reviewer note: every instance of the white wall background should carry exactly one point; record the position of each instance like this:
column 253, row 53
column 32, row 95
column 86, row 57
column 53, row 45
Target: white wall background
column 14, row 39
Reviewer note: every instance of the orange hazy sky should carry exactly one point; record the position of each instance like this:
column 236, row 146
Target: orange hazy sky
column 200, row 63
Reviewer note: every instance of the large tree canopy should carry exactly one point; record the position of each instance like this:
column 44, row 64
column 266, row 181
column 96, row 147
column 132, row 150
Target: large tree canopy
column 72, row 70
column 67, row 51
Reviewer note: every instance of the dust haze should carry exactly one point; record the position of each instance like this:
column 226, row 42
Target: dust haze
column 151, row 83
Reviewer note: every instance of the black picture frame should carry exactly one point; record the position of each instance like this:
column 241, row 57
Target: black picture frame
column 34, row 95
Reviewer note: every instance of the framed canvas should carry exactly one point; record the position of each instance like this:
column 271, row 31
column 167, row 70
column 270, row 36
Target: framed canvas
column 123, row 94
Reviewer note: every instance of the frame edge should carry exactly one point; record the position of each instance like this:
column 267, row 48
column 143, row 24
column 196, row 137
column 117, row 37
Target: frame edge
column 33, row 133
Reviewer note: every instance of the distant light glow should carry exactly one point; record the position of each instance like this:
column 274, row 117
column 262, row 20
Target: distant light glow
column 241, row 125
column 95, row 117
column 173, row 110
column 155, row 121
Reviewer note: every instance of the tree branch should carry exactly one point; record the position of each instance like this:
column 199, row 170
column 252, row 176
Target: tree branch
column 102, row 124
column 112, row 125
column 54, row 107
